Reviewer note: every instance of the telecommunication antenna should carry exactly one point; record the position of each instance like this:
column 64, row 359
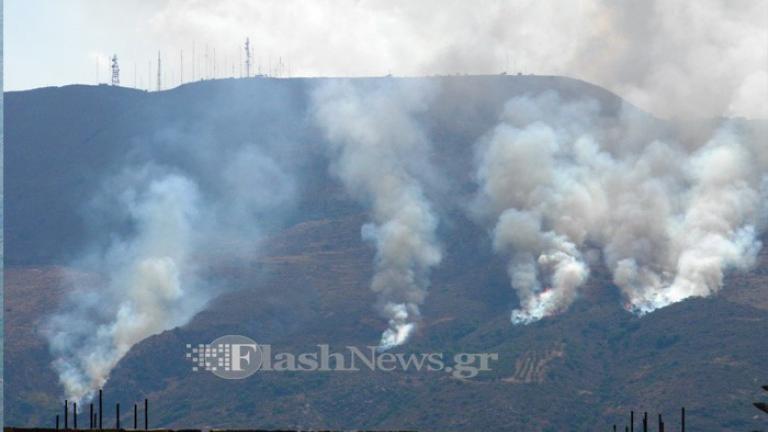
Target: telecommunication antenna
column 247, row 57
column 181, row 67
column 115, row 71
column 159, row 73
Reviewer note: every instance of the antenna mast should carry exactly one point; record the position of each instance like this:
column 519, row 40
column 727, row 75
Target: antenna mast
column 115, row 71
column 247, row 57
column 159, row 74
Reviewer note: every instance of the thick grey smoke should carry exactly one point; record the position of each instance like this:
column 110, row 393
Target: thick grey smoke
column 669, row 219
column 380, row 153
column 151, row 286
column 151, row 276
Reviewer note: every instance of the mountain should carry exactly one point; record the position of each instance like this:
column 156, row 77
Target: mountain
column 307, row 284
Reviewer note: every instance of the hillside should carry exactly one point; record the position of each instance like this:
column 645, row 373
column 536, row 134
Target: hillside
column 62, row 142
column 308, row 283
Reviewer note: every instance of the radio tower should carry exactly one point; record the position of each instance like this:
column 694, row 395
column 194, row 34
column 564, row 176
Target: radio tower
column 115, row 71
column 181, row 67
column 247, row 58
column 159, row 73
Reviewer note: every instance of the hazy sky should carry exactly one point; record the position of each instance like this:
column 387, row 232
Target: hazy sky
column 674, row 58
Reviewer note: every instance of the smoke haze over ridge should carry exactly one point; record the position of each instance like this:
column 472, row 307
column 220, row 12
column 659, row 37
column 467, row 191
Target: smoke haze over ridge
column 673, row 58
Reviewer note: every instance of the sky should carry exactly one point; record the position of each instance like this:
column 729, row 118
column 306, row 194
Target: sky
column 674, row 58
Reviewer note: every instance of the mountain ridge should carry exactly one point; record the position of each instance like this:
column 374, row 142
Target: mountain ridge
column 308, row 283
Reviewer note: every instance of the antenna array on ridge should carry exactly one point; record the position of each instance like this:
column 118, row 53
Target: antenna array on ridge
column 115, row 71
column 247, row 57
column 205, row 68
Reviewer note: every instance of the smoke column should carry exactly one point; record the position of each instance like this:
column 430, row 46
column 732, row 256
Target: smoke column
column 717, row 227
column 378, row 151
column 668, row 219
column 151, row 287
column 184, row 200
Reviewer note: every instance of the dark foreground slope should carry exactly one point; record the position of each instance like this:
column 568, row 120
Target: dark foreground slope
column 582, row 370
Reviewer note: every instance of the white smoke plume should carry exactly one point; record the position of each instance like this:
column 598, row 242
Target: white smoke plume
column 150, row 287
column 669, row 219
column 715, row 229
column 159, row 229
column 379, row 152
